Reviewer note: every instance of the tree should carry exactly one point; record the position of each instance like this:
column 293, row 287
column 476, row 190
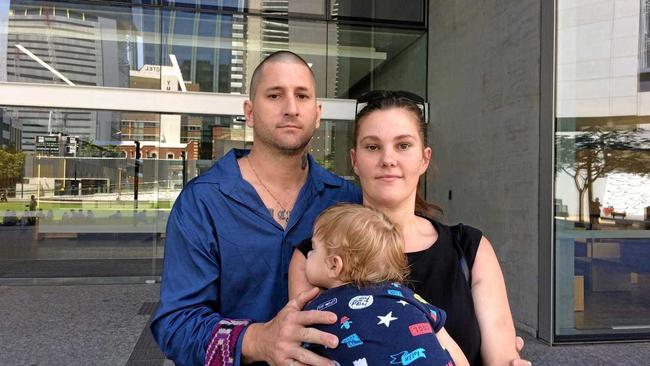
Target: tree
column 592, row 153
column 89, row 149
column 327, row 162
column 11, row 168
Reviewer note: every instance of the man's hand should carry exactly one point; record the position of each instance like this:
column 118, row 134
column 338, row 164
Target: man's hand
column 279, row 341
column 519, row 344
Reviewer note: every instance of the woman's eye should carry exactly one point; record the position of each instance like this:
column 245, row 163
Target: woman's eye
column 404, row 146
column 372, row 147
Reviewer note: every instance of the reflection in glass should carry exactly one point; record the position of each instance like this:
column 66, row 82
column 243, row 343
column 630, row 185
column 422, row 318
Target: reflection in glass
column 86, row 213
column 377, row 58
column 132, row 46
column 602, row 174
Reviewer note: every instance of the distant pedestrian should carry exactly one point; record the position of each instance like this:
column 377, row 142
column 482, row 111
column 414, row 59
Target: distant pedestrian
column 31, row 218
column 594, row 213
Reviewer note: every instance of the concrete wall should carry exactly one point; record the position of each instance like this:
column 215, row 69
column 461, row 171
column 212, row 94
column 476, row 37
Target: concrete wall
column 483, row 86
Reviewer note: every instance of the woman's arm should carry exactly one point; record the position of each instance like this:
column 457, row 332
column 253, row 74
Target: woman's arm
column 492, row 309
column 297, row 276
column 452, row 347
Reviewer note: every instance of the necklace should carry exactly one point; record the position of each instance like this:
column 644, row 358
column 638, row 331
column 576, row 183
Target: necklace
column 283, row 214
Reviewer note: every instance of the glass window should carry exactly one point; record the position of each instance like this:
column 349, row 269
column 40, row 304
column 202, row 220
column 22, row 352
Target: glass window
column 277, row 8
column 95, row 206
column 176, row 47
column 412, row 12
column 602, row 180
column 371, row 58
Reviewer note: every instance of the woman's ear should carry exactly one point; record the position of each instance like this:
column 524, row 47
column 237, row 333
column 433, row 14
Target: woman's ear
column 353, row 160
column 426, row 159
column 334, row 266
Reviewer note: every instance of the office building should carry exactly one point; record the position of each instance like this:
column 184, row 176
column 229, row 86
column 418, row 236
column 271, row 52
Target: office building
column 538, row 119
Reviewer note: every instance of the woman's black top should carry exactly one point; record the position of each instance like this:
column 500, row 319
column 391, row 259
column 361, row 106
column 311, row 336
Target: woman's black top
column 436, row 275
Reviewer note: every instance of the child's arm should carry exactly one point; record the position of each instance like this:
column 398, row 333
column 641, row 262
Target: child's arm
column 297, row 275
column 451, row 346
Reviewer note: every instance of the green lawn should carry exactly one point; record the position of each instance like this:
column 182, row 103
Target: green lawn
column 21, row 205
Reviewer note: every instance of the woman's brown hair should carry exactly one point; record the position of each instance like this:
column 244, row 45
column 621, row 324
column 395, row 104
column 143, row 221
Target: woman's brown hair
column 412, row 103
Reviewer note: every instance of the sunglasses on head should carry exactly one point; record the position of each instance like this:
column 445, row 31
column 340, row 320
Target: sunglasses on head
column 378, row 95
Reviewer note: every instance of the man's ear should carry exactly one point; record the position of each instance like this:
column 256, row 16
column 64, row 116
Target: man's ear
column 248, row 113
column 319, row 111
column 334, row 266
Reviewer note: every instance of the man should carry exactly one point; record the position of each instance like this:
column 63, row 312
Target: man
column 231, row 233
column 594, row 213
column 32, row 210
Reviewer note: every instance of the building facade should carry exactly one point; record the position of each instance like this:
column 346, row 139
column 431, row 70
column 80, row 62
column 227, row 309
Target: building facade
column 538, row 122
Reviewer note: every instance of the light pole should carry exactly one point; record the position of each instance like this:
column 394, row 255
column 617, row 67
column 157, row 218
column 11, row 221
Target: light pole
column 184, row 158
column 136, row 176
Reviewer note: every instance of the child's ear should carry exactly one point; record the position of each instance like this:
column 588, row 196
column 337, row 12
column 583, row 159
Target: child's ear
column 334, row 266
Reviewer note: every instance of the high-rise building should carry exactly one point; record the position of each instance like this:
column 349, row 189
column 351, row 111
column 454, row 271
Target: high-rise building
column 80, row 46
column 538, row 122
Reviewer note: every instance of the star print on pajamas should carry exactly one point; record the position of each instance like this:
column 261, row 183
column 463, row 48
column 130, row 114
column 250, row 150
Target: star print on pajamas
column 386, row 319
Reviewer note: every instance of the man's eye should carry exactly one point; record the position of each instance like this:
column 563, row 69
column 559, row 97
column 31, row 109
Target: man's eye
column 273, row 96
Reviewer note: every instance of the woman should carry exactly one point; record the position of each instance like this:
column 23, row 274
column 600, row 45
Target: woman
column 389, row 156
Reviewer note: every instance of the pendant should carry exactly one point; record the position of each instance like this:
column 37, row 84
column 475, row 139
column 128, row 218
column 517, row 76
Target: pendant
column 284, row 215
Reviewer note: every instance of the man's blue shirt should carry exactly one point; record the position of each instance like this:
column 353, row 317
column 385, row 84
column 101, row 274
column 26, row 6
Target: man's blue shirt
column 226, row 257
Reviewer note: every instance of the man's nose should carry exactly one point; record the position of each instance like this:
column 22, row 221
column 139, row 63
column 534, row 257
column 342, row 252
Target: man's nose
column 291, row 107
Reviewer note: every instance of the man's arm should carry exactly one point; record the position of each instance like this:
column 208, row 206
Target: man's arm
column 187, row 325
column 185, row 320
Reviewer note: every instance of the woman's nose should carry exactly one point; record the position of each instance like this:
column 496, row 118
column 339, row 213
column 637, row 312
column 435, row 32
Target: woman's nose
column 388, row 158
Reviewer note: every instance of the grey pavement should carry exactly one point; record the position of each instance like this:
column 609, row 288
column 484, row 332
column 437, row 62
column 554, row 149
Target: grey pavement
column 108, row 325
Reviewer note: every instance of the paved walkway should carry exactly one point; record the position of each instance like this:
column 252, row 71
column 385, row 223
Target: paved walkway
column 108, row 325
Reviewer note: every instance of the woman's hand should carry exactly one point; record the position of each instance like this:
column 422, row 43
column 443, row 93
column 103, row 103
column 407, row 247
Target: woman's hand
column 519, row 344
column 279, row 341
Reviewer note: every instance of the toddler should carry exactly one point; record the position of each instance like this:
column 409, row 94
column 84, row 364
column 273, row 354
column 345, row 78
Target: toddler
column 357, row 255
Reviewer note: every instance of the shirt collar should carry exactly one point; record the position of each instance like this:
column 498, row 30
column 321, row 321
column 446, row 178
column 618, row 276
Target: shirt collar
column 226, row 173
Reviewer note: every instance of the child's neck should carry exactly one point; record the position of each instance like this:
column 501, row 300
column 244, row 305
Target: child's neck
column 336, row 283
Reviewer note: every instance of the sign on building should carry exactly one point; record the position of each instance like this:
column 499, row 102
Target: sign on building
column 48, row 145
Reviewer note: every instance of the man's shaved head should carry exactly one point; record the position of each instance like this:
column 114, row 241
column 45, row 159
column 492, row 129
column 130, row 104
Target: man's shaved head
column 278, row 56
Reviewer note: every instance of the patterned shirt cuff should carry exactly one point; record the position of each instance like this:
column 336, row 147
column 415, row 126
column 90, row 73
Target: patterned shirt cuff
column 223, row 342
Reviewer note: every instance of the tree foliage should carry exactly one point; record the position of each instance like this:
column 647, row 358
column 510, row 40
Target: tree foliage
column 594, row 152
column 11, row 168
column 89, row 149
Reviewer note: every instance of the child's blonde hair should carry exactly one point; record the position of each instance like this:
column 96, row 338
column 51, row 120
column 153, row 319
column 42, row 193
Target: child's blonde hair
column 370, row 245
